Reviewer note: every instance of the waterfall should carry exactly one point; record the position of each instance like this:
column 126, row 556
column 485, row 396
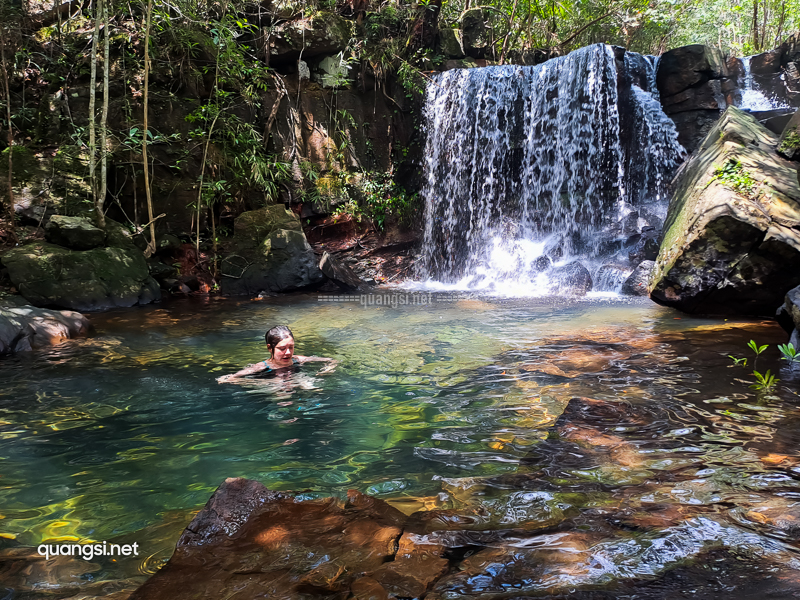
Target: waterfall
column 530, row 169
column 752, row 97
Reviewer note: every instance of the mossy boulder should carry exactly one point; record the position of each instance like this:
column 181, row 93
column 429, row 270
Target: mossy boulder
column 270, row 254
column 475, row 36
column 451, row 42
column 731, row 240
column 77, row 233
column 789, row 142
column 325, row 33
column 50, row 275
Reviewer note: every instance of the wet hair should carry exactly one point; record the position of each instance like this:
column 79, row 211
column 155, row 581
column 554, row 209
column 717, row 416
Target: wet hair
column 275, row 335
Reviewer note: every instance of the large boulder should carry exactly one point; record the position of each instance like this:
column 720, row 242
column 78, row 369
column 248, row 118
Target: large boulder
column 25, row 327
column 325, row 33
column 731, row 243
column 77, row 233
column 695, row 85
column 97, row 279
column 475, row 36
column 271, row 254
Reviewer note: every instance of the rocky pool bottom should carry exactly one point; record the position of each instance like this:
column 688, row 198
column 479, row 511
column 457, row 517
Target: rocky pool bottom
column 495, row 449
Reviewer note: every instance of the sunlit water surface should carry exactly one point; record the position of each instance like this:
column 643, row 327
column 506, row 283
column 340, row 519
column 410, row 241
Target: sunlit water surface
column 121, row 436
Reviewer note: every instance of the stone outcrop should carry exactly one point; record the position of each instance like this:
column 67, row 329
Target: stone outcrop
column 340, row 274
column 475, row 36
column 270, row 253
column 104, row 277
column 325, row 34
column 25, row 328
column 76, row 233
column 731, row 242
column 789, row 142
column 695, row 85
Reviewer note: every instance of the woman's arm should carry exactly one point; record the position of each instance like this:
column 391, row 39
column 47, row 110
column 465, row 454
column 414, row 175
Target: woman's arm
column 248, row 370
column 326, row 369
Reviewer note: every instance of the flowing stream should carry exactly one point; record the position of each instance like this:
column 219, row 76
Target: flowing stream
column 439, row 401
column 753, row 98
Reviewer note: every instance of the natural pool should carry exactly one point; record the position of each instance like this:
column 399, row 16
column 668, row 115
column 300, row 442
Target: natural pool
column 121, row 436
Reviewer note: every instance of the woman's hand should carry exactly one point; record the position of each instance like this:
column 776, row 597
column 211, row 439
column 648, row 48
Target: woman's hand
column 329, row 367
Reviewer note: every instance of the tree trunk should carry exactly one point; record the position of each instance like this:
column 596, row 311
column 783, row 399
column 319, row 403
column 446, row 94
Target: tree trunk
column 755, row 25
column 10, row 206
column 780, row 24
column 151, row 245
column 92, row 99
column 101, row 195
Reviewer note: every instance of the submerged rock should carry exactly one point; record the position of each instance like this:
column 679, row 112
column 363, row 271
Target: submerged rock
column 731, row 243
column 265, row 544
column 26, row 328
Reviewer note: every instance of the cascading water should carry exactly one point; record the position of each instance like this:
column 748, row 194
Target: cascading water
column 752, row 97
column 531, row 168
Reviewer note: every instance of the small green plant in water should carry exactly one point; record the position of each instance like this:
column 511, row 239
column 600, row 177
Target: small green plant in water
column 765, row 382
column 789, row 354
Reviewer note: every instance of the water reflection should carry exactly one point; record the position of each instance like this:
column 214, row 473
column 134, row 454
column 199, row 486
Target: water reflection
column 449, row 406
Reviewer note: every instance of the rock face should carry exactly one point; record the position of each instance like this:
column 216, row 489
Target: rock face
column 271, row 254
column 25, row 327
column 76, row 233
column 789, row 142
column 342, row 275
column 327, row 33
column 100, row 278
column 731, row 243
column 788, row 316
column 695, row 85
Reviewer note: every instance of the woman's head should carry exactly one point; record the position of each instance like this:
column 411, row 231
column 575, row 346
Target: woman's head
column 280, row 342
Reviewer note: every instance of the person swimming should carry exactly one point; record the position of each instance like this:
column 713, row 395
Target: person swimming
column 280, row 343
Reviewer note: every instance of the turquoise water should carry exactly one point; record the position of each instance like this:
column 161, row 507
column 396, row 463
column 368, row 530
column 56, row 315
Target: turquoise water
column 123, row 435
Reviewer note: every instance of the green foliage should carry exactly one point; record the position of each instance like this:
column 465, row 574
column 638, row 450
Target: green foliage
column 789, row 354
column 376, row 196
column 733, row 175
column 764, row 383
column 790, row 142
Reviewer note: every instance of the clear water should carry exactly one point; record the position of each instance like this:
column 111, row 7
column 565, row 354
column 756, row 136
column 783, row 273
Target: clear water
column 123, row 435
